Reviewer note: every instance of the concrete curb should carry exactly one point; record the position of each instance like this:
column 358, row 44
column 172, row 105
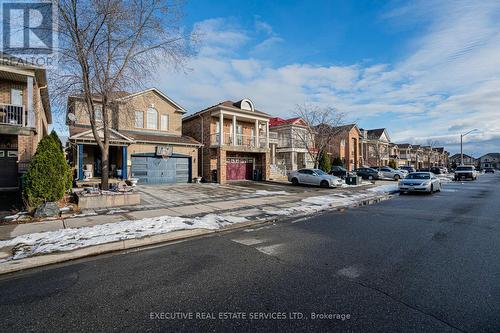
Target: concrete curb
column 59, row 257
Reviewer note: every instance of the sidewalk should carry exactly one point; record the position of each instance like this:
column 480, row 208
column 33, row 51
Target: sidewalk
column 24, row 244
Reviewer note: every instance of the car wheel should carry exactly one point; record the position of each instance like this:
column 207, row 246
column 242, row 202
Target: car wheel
column 370, row 177
column 324, row 184
column 396, row 177
column 295, row 181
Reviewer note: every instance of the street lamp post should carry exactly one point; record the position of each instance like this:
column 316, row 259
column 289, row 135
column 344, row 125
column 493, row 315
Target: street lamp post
column 461, row 145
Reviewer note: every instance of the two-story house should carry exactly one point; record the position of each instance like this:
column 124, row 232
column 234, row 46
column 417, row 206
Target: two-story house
column 375, row 147
column 24, row 117
column 146, row 140
column 295, row 144
column 235, row 138
column 490, row 160
column 346, row 146
column 405, row 154
column 456, row 159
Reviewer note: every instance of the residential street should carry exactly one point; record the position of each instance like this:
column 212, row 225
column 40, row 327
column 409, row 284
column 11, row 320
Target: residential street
column 413, row 263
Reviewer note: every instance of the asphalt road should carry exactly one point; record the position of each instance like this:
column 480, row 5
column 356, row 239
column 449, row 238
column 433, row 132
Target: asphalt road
column 414, row 263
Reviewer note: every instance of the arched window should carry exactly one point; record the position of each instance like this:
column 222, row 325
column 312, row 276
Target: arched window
column 152, row 119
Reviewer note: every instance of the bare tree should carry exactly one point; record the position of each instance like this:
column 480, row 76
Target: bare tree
column 110, row 46
column 431, row 143
column 321, row 127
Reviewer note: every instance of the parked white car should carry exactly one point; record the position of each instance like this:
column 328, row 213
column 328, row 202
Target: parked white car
column 313, row 177
column 388, row 172
column 420, row 182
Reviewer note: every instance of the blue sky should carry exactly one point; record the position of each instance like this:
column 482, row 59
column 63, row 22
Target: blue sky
column 422, row 69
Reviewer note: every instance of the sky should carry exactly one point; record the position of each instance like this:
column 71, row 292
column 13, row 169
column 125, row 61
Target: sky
column 422, row 69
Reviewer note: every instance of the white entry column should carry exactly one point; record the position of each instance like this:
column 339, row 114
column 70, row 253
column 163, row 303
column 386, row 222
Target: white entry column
column 221, row 129
column 234, row 130
column 256, row 143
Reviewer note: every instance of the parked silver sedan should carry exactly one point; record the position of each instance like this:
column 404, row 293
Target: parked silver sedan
column 313, row 177
column 389, row 172
column 420, row 182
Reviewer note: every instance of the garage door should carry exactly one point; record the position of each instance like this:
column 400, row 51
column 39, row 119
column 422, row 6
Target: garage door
column 8, row 168
column 239, row 169
column 157, row 170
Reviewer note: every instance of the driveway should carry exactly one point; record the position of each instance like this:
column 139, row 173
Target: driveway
column 157, row 196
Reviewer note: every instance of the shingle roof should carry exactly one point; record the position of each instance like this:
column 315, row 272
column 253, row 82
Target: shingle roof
column 228, row 104
column 276, row 121
column 145, row 137
column 375, row 133
column 403, row 145
column 495, row 155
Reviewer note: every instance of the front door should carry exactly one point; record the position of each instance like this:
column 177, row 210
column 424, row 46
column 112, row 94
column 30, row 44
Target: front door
column 16, row 97
column 8, row 168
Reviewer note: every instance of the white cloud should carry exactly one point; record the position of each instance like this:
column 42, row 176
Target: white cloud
column 450, row 82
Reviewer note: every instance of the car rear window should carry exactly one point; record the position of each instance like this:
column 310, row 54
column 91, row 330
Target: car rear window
column 418, row 175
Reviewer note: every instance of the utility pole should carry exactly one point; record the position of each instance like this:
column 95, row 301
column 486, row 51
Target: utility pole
column 461, row 145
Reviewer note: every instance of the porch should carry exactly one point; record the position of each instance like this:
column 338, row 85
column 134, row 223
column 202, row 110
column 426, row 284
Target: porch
column 89, row 163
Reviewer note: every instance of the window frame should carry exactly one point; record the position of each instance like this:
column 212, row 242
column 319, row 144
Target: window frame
column 142, row 118
column 96, row 108
column 164, row 116
column 150, row 113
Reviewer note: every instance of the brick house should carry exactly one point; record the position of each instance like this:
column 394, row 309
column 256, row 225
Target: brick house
column 146, row 140
column 490, row 160
column 375, row 147
column 346, row 146
column 24, row 117
column 235, row 138
column 295, row 146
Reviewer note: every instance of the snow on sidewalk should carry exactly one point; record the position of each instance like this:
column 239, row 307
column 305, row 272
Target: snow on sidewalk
column 74, row 238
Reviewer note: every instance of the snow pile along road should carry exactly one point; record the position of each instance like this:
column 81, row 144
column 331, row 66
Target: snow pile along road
column 71, row 239
column 325, row 202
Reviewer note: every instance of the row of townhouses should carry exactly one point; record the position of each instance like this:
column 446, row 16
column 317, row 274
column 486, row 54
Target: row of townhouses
column 154, row 141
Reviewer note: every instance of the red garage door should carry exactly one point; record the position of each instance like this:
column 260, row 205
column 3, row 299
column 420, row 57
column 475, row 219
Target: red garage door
column 239, row 169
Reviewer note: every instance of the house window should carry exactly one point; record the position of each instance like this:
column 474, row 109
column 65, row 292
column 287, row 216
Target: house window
column 152, row 119
column 11, row 153
column 98, row 112
column 342, row 143
column 139, row 119
column 164, row 122
column 2, row 153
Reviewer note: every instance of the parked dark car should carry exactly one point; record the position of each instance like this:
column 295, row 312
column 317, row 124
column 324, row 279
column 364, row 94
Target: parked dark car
column 368, row 173
column 338, row 171
column 489, row 170
column 436, row 170
column 408, row 168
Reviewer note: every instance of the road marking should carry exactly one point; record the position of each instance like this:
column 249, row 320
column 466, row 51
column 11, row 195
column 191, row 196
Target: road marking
column 351, row 272
column 270, row 250
column 248, row 241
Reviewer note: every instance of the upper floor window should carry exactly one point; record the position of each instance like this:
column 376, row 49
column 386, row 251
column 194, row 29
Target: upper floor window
column 342, row 143
column 98, row 112
column 152, row 119
column 164, row 122
column 139, row 119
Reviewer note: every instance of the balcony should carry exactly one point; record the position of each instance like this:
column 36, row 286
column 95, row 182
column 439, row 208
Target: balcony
column 12, row 115
column 243, row 141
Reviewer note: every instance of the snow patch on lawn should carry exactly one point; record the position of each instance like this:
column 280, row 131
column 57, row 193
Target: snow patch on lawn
column 75, row 238
column 266, row 192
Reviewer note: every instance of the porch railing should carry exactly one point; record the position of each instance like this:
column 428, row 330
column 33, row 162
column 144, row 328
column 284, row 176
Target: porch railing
column 12, row 114
column 240, row 140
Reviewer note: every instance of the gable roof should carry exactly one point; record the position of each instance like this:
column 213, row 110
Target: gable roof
column 159, row 92
column 404, row 145
column 455, row 156
column 277, row 121
column 84, row 133
column 228, row 105
column 347, row 128
column 494, row 155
